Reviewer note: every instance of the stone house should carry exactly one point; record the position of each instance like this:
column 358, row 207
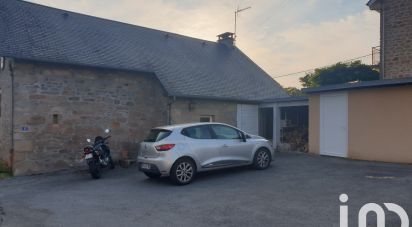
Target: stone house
column 65, row 77
column 370, row 120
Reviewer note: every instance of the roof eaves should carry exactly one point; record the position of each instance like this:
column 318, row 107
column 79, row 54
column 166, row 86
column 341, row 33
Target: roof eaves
column 38, row 60
column 360, row 85
column 287, row 99
column 230, row 99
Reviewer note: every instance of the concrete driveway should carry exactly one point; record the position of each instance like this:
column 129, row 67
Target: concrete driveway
column 298, row 190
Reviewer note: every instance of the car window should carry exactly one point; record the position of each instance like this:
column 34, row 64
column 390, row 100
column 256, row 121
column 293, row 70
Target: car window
column 225, row 132
column 198, row 132
column 157, row 135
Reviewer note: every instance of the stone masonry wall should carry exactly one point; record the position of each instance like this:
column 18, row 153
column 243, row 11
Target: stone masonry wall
column 397, row 38
column 190, row 110
column 58, row 107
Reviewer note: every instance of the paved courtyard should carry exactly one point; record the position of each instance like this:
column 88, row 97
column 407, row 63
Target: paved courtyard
column 298, row 190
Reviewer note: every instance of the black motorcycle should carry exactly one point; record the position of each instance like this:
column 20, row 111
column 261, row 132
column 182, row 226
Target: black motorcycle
column 97, row 155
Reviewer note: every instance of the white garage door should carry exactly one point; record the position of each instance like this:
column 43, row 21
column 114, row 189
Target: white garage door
column 334, row 124
column 248, row 118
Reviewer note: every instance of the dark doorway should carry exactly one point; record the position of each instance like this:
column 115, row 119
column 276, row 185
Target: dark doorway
column 266, row 123
column 294, row 122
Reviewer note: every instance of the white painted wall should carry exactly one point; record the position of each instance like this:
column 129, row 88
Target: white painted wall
column 334, row 124
column 248, row 118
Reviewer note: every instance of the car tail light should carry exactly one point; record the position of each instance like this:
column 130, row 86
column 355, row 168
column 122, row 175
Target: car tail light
column 87, row 150
column 164, row 147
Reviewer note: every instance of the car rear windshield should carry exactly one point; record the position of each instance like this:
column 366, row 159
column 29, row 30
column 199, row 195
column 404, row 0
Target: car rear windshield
column 157, row 135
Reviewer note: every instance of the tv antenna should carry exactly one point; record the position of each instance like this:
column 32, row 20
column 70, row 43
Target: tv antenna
column 236, row 14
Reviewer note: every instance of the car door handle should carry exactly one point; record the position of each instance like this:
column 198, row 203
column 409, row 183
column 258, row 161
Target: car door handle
column 225, row 146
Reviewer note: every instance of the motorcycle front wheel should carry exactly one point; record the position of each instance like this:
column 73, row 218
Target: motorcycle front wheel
column 94, row 169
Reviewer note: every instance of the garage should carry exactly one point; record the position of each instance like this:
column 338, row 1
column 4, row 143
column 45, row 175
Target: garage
column 364, row 120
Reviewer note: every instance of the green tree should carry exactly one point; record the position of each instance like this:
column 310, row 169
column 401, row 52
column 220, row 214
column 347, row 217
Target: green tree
column 340, row 73
column 292, row 91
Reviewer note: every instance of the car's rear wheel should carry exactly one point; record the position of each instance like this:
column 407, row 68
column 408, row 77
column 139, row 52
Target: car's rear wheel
column 262, row 159
column 183, row 171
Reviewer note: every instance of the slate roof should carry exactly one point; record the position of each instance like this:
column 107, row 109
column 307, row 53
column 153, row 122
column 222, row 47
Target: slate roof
column 186, row 67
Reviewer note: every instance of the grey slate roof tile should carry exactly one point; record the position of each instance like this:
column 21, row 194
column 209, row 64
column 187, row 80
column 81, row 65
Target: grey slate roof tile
column 185, row 66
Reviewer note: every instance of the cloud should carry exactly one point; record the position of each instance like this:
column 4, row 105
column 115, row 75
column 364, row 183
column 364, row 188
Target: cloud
column 280, row 36
column 312, row 45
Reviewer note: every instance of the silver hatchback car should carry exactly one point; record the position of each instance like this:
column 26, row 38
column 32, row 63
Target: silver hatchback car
column 180, row 151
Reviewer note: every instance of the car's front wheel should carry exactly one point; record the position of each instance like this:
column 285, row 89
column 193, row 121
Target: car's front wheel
column 262, row 159
column 183, row 171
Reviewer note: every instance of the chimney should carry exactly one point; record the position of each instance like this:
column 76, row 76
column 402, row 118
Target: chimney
column 227, row 38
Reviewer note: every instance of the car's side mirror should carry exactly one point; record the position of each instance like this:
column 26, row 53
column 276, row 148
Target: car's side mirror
column 243, row 135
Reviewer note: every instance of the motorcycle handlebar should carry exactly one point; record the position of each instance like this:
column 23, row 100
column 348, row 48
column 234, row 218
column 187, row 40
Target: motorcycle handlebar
column 103, row 141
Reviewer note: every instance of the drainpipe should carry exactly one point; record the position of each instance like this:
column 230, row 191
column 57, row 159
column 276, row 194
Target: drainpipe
column 382, row 42
column 169, row 109
column 12, row 115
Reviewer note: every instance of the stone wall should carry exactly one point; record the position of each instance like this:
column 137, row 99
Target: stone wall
column 190, row 110
column 57, row 107
column 396, row 38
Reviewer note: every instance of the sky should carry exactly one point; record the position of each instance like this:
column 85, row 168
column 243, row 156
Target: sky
column 281, row 36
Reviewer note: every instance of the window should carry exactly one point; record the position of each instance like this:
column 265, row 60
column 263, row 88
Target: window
column 198, row 132
column 55, row 119
column 225, row 132
column 157, row 135
column 207, row 118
